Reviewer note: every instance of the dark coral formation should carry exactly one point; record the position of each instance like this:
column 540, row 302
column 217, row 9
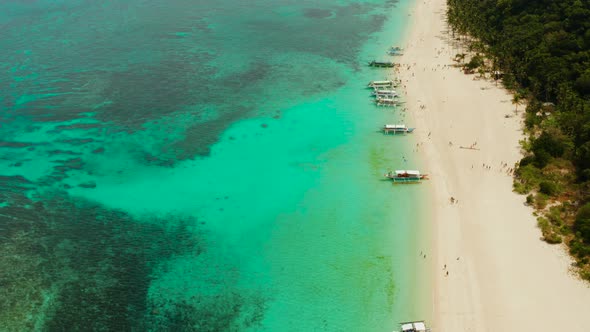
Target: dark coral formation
column 77, row 266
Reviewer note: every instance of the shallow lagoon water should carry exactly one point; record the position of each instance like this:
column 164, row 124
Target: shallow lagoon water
column 203, row 166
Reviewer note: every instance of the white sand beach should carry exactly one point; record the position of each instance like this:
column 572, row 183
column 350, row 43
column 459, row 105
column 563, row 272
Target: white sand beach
column 501, row 276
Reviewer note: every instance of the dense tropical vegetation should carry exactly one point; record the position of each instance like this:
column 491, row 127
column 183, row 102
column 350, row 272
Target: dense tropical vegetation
column 542, row 49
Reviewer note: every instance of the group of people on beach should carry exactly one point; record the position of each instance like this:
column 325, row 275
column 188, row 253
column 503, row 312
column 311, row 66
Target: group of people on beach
column 503, row 167
column 423, row 255
column 508, row 170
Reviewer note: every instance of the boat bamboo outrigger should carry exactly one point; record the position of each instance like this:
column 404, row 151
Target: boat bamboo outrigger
column 418, row 326
column 406, row 176
column 381, row 64
column 397, row 128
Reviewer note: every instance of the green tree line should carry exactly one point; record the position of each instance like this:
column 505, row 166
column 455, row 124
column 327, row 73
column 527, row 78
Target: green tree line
column 542, row 47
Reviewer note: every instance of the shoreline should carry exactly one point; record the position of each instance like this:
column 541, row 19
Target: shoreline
column 501, row 276
column 419, row 293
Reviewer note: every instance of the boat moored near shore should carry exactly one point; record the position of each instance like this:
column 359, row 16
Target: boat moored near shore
column 381, row 64
column 383, row 84
column 397, row 128
column 394, row 53
column 406, row 176
column 384, row 92
column 387, row 101
column 418, row 326
column 395, row 50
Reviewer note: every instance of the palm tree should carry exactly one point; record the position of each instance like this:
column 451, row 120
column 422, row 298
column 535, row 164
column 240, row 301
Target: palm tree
column 515, row 101
column 482, row 72
column 460, row 57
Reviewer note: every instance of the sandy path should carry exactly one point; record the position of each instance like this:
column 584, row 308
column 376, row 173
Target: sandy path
column 501, row 276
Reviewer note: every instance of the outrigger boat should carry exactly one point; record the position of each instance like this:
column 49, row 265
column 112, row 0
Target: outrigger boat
column 383, row 88
column 384, row 93
column 381, row 64
column 395, row 51
column 406, row 176
column 387, row 101
column 397, row 128
column 382, row 84
column 418, row 326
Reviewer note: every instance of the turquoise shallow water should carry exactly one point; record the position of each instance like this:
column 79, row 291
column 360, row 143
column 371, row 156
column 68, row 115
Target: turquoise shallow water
column 202, row 166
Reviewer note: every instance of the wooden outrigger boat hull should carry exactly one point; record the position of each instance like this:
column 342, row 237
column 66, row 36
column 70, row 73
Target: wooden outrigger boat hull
column 406, row 176
column 397, row 129
column 408, row 180
column 387, row 102
column 376, row 85
column 381, row 64
column 384, row 93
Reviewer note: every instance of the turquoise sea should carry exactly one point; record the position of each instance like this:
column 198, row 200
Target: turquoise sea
column 203, row 166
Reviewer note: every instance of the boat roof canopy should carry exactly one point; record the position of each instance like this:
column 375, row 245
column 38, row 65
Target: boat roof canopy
column 409, row 172
column 381, row 82
column 395, row 126
column 420, row 326
column 407, row 327
column 414, row 327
